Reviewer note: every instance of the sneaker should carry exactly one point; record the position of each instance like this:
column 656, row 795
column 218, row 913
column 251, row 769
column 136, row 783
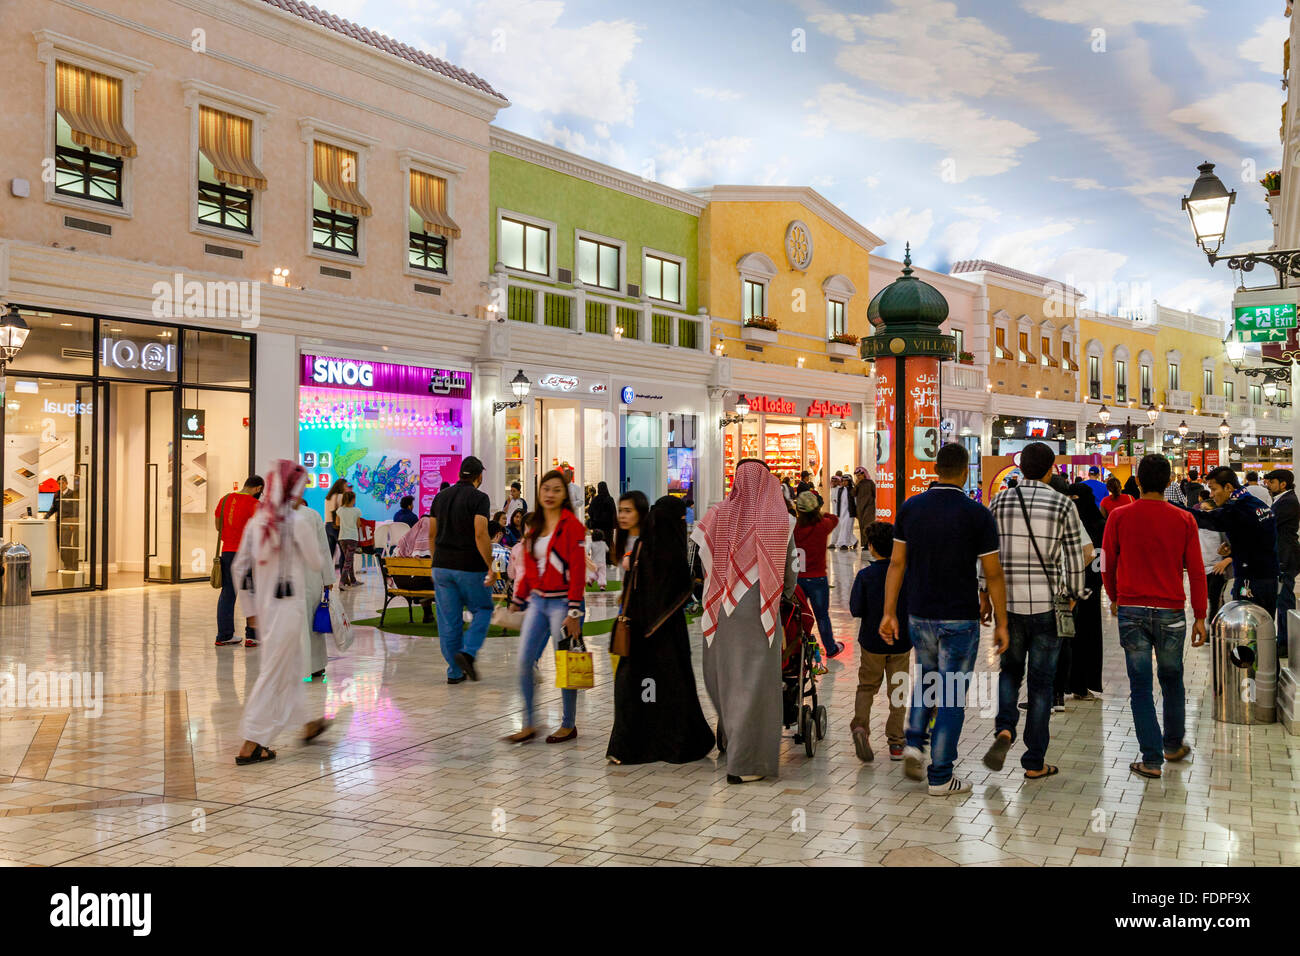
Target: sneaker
column 895, row 751
column 234, row 641
column 250, row 642
column 1058, row 704
column 912, row 763
column 1087, row 695
column 458, row 680
column 466, row 663
column 954, row 786
column 839, row 649
column 1176, row 755
column 862, row 746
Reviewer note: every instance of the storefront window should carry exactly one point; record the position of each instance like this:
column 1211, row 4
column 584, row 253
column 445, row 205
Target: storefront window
column 216, row 358
column 135, row 351
column 57, row 344
column 379, row 427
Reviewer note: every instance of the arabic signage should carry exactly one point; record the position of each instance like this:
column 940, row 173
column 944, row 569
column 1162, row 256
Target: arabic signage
column 1264, row 323
column 922, row 408
column 814, row 408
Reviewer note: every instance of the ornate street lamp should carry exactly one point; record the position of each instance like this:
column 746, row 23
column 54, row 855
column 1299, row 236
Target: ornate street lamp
column 13, row 335
column 520, row 386
column 1008, row 429
column 1207, row 206
column 1152, row 414
column 1103, row 415
column 1224, row 428
column 1182, row 429
column 742, row 410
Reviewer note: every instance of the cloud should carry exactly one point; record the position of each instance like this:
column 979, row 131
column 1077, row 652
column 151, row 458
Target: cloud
column 1095, row 267
column 1078, row 182
column 722, row 96
column 961, row 239
column 1248, row 111
column 715, row 160
column 1026, row 249
column 904, row 225
column 574, row 141
column 1265, row 47
column 977, row 144
column 1212, row 297
column 1115, row 13
column 520, row 47
column 924, row 49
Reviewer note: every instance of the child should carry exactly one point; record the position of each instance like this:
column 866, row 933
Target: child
column 348, row 516
column 599, row 552
column 878, row 658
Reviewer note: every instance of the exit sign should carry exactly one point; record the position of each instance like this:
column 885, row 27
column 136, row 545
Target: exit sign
column 1264, row 323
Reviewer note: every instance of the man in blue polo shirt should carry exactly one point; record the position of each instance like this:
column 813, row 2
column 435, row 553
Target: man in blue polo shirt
column 940, row 537
column 1094, row 482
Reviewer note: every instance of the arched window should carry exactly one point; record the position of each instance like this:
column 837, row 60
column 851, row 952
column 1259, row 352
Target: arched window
column 756, row 274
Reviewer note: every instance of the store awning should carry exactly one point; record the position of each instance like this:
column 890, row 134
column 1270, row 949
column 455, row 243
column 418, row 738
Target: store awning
column 336, row 171
column 227, row 142
column 429, row 200
column 91, row 103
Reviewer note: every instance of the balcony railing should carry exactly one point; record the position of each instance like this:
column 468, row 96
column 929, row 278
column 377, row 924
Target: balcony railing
column 1176, row 398
column 956, row 375
column 1214, row 404
column 581, row 310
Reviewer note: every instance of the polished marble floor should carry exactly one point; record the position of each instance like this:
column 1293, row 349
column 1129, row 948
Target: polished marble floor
column 412, row 773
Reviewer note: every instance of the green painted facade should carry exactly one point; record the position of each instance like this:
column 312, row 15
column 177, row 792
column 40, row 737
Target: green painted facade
column 573, row 203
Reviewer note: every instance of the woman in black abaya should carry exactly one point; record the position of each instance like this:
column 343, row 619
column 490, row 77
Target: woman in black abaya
column 1082, row 675
column 657, row 714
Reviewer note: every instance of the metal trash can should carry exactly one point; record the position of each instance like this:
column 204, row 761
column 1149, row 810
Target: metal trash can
column 15, row 574
column 1243, row 647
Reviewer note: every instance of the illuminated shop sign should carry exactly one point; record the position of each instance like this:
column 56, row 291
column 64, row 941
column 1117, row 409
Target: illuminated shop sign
column 329, row 371
column 772, row 406
column 817, row 408
column 336, row 372
column 444, row 382
column 559, row 383
column 822, row 409
column 125, row 354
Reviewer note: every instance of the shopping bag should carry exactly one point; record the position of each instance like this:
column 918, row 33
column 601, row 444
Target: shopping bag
column 320, row 622
column 573, row 665
column 505, row 616
column 340, row 626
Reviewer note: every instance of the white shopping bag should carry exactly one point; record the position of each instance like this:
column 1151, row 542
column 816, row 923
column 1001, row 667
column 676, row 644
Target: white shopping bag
column 343, row 635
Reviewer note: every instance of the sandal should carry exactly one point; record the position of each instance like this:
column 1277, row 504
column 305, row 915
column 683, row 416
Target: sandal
column 259, row 754
column 315, row 729
column 560, row 737
column 1142, row 770
column 1048, row 771
column 520, row 737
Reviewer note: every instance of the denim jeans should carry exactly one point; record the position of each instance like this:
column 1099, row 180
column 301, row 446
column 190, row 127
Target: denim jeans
column 1141, row 630
column 818, row 593
column 543, row 620
column 226, row 602
column 1285, row 602
column 945, row 657
column 453, row 592
column 1034, row 642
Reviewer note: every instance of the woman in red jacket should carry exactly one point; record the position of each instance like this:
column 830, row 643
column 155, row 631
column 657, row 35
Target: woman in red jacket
column 810, row 534
column 554, row 586
column 1115, row 498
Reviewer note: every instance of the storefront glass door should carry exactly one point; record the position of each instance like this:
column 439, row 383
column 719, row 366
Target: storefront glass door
column 213, row 462
column 160, row 415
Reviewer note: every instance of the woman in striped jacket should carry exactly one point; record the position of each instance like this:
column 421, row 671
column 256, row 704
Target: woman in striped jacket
column 553, row 586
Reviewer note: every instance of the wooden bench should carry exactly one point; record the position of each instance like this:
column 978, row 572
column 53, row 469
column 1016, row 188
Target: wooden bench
column 409, row 578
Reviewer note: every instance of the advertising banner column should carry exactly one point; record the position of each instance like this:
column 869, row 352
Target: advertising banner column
column 886, row 431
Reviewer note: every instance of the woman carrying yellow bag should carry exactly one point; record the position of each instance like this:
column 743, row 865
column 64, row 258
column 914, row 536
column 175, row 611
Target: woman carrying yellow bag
column 554, row 588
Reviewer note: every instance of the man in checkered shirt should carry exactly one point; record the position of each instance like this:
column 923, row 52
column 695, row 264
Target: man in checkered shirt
column 1066, row 551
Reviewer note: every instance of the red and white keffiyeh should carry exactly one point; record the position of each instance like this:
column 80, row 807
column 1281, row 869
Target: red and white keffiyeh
column 284, row 487
column 743, row 542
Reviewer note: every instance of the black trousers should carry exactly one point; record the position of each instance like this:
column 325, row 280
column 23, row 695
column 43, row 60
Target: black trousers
column 1214, row 584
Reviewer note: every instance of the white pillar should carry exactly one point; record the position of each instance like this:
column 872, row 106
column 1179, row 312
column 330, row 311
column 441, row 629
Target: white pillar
column 276, row 402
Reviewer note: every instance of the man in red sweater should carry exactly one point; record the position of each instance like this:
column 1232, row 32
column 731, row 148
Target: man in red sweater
column 1145, row 550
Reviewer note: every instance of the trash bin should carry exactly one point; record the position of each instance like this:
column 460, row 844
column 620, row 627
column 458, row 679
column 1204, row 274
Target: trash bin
column 1244, row 662
column 15, row 574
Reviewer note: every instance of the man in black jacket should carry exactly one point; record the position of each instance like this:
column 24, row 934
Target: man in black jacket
column 1286, row 512
column 1252, row 535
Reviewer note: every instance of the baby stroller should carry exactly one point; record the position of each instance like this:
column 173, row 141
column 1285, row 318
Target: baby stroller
column 799, row 706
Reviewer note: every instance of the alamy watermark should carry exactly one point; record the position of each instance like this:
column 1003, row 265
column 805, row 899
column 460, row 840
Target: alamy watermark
column 192, row 299
column 79, row 690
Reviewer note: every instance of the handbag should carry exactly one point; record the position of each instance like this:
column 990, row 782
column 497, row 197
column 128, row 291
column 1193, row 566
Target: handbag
column 573, row 664
column 1061, row 609
column 620, row 638
column 320, row 621
column 340, row 626
column 214, row 578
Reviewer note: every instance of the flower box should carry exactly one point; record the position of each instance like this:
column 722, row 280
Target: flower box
column 759, row 330
column 841, row 349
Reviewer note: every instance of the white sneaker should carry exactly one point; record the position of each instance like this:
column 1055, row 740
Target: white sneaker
column 913, row 763
column 954, row 786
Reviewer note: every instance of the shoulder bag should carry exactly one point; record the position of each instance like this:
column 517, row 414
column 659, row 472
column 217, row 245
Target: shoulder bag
column 215, row 577
column 620, row 641
column 1060, row 601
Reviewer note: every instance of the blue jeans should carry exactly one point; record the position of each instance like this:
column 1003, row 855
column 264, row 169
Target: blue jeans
column 818, row 593
column 945, row 657
column 1033, row 641
column 226, row 602
column 1141, row 630
column 1285, row 602
column 453, row 592
column 543, row 619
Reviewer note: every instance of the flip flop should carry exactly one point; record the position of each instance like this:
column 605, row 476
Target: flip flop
column 1141, row 769
column 997, row 754
column 1048, row 771
column 259, row 754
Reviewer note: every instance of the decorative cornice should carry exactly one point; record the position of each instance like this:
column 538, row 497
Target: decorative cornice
column 892, row 269
column 806, row 196
column 580, row 167
column 196, row 89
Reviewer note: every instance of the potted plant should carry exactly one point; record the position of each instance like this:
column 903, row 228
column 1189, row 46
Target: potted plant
column 1272, row 182
column 842, row 344
column 760, row 328
column 966, row 358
